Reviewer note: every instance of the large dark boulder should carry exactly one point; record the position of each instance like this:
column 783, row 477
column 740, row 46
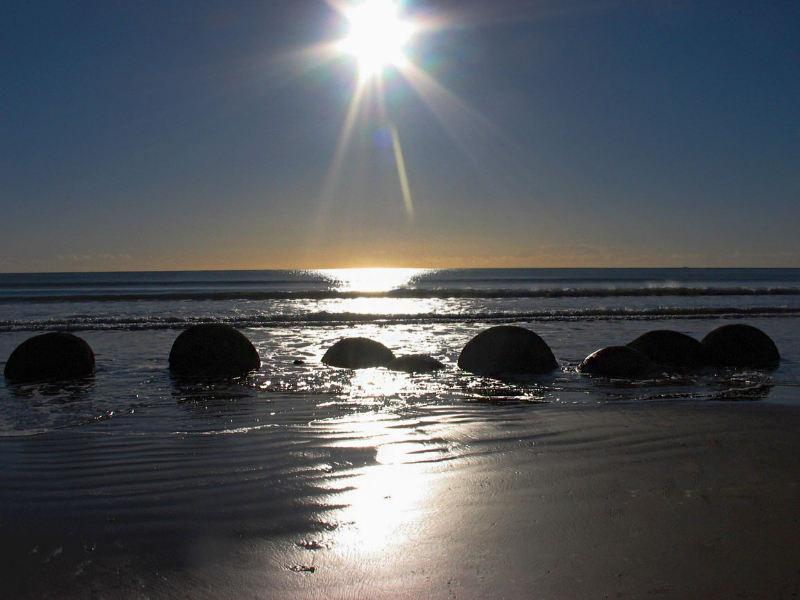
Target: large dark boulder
column 740, row 345
column 671, row 349
column 358, row 353
column 213, row 350
column 619, row 362
column 507, row 350
column 415, row 363
column 54, row 355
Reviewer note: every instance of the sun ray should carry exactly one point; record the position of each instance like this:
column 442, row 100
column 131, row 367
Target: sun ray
column 377, row 39
column 369, row 87
column 500, row 160
column 401, row 171
column 397, row 148
column 297, row 63
column 459, row 119
column 333, row 177
column 345, row 137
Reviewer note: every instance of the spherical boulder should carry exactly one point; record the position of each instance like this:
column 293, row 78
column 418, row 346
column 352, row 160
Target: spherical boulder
column 507, row 350
column 213, row 350
column 415, row 363
column 56, row 355
column 740, row 345
column 671, row 349
column 618, row 362
column 357, row 353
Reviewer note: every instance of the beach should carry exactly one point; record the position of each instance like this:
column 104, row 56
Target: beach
column 663, row 501
column 306, row 481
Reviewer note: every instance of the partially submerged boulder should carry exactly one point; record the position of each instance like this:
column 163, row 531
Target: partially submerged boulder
column 213, row 350
column 358, row 353
column 619, row 362
column 507, row 350
column 740, row 345
column 415, row 363
column 671, row 349
column 56, row 355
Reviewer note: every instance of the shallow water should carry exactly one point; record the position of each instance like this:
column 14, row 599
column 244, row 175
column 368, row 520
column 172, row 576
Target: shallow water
column 133, row 391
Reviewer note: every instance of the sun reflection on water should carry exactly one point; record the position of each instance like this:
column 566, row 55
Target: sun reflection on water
column 375, row 384
column 372, row 389
column 386, row 306
column 376, row 281
column 371, row 279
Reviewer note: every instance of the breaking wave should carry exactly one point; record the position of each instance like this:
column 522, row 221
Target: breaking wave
column 323, row 318
column 157, row 294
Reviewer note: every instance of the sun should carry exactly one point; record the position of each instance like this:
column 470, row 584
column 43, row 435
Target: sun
column 378, row 35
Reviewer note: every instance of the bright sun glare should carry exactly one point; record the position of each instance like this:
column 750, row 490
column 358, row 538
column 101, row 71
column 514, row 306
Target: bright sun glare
column 377, row 35
column 370, row 279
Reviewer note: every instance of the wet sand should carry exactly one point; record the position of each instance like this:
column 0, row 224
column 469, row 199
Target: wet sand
column 629, row 501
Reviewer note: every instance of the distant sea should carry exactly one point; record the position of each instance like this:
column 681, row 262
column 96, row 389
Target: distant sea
column 130, row 458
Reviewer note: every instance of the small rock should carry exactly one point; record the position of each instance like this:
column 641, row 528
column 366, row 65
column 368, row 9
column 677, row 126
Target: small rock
column 415, row 363
column 303, row 568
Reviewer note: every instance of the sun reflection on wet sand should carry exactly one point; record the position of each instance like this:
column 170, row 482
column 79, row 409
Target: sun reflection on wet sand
column 385, row 502
column 386, row 499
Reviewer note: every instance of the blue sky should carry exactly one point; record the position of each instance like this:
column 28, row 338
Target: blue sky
column 196, row 135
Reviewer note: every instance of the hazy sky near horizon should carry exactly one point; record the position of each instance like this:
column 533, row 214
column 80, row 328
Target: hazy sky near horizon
column 203, row 134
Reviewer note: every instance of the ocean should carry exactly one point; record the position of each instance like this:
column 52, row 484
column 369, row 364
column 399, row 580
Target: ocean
column 131, row 320
column 131, row 467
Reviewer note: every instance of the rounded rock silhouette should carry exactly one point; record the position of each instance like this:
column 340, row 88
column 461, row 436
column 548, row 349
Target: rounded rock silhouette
column 357, row 353
column 56, row 355
column 672, row 349
column 507, row 350
column 740, row 345
column 618, row 362
column 214, row 350
column 415, row 363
